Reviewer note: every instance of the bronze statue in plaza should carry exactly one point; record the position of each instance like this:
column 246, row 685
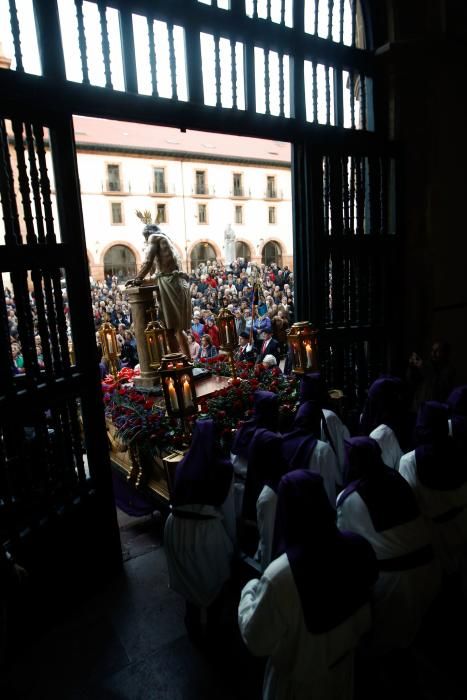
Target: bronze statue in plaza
column 172, row 286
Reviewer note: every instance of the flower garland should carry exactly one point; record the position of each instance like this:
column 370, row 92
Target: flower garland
column 232, row 405
column 139, row 420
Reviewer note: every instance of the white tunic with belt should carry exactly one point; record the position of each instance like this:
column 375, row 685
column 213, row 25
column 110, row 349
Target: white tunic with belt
column 402, row 596
column 323, row 461
column 199, row 552
column 391, row 452
column 446, row 510
column 301, row 666
column 338, row 433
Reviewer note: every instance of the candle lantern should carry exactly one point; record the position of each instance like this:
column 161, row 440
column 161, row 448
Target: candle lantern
column 227, row 330
column 228, row 335
column 109, row 345
column 156, row 342
column 177, row 381
column 303, row 342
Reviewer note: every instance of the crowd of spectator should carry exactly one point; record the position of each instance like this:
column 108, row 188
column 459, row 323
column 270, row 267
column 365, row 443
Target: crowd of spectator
column 215, row 286
column 212, row 285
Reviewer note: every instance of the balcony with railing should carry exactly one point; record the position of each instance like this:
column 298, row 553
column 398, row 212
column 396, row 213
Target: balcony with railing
column 240, row 192
column 112, row 186
column 203, row 190
column 272, row 193
column 162, row 190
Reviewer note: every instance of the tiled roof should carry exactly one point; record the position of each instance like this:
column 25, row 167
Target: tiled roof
column 92, row 131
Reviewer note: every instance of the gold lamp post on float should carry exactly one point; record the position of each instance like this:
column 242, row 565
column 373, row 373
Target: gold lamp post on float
column 178, row 385
column 156, row 342
column 303, row 342
column 228, row 335
column 109, row 345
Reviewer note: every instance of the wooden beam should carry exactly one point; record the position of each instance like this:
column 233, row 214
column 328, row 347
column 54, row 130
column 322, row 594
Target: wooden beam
column 111, row 104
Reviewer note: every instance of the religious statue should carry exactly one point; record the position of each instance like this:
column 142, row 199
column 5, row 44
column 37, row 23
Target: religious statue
column 172, row 287
column 229, row 245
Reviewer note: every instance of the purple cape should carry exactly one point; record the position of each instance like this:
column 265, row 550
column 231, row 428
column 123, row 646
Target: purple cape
column 459, row 430
column 388, row 497
column 298, row 445
column 457, row 401
column 203, row 476
column 333, row 571
column 265, row 467
column 385, row 404
column 266, row 415
column 313, row 388
column 440, row 464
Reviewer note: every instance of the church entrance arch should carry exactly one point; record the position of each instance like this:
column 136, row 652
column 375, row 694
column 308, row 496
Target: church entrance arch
column 272, row 253
column 201, row 253
column 307, row 80
column 119, row 260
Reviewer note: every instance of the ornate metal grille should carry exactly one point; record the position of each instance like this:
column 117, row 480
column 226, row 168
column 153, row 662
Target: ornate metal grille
column 48, row 451
column 296, row 71
column 303, row 61
column 349, row 224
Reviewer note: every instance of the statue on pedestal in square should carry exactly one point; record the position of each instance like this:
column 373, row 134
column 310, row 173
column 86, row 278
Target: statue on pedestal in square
column 229, row 245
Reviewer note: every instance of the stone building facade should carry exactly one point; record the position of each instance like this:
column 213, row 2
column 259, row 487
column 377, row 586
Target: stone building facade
column 194, row 184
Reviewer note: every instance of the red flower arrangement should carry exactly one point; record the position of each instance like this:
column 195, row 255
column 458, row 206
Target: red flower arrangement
column 138, row 418
column 231, row 406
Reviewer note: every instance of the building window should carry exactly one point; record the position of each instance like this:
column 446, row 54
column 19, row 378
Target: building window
column 113, row 178
column 200, row 185
column 202, row 214
column 272, row 215
column 159, row 180
column 238, row 185
column 116, row 213
column 271, row 190
column 161, row 214
column 239, row 215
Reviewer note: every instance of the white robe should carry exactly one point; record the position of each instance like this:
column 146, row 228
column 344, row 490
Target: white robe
column 199, row 552
column 338, row 432
column 450, row 537
column 390, row 448
column 324, row 462
column 266, row 517
column 400, row 598
column 302, row 666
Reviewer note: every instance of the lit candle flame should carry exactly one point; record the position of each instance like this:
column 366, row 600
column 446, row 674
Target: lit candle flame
column 173, row 395
column 309, row 355
column 187, row 394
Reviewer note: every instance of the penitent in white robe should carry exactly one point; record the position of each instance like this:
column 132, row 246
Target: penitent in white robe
column 400, row 598
column 323, row 461
column 449, row 533
column 301, row 665
column 338, row 432
column 199, row 552
column 391, row 452
column 266, row 516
